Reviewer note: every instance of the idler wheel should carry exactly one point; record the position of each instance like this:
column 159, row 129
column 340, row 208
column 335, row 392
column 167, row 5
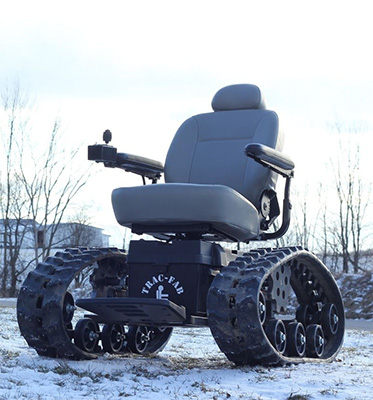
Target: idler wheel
column 262, row 309
column 276, row 333
column 329, row 319
column 315, row 341
column 68, row 308
column 113, row 338
column 304, row 314
column 296, row 339
column 147, row 340
column 86, row 335
column 138, row 338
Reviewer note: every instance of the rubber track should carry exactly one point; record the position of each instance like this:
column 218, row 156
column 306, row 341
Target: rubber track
column 40, row 301
column 232, row 303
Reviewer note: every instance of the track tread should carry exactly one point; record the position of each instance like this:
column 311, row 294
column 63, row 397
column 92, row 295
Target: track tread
column 40, row 301
column 233, row 298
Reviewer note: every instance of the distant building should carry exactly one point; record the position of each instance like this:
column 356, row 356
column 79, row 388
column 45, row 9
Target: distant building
column 26, row 233
column 18, row 233
column 73, row 234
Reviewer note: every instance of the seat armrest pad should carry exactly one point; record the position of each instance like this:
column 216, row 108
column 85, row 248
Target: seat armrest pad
column 123, row 158
column 108, row 155
column 140, row 165
column 270, row 157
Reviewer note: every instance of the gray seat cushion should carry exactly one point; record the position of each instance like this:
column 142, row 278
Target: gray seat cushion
column 176, row 203
column 209, row 149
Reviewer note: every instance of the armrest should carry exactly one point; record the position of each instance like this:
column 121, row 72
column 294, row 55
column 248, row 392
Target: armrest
column 109, row 156
column 271, row 158
column 140, row 165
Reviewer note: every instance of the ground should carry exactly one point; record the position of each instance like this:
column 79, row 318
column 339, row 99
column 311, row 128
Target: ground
column 190, row 367
column 357, row 294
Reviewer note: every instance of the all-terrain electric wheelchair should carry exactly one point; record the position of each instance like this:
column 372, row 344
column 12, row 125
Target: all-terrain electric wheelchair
column 264, row 306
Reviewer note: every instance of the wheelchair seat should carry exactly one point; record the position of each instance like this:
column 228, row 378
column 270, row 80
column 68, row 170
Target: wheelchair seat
column 212, row 189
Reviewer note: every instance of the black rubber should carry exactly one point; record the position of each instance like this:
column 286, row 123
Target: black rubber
column 113, row 338
column 235, row 308
column 45, row 308
column 250, row 311
column 146, row 340
column 296, row 339
column 86, row 335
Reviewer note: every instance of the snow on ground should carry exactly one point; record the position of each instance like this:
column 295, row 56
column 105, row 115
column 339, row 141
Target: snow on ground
column 190, row 367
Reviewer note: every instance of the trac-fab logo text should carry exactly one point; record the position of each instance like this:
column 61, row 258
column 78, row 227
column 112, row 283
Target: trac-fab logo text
column 163, row 284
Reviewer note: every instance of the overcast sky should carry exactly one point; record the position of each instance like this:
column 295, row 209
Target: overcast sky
column 140, row 68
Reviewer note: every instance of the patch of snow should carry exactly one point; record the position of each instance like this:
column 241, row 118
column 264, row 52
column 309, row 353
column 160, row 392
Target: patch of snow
column 8, row 302
column 190, row 367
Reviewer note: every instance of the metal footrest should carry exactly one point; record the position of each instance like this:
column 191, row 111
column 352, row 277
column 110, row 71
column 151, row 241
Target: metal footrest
column 134, row 311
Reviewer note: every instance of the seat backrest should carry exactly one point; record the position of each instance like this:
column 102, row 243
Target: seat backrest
column 209, row 148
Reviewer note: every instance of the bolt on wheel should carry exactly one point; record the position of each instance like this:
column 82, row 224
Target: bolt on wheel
column 138, row 339
column 329, row 319
column 276, row 333
column 113, row 338
column 86, row 335
column 296, row 339
column 262, row 309
column 315, row 341
column 146, row 339
column 68, row 308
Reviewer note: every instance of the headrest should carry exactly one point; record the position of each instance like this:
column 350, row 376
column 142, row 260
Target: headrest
column 238, row 97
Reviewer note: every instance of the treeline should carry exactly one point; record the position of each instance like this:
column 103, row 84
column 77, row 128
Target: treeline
column 333, row 216
column 38, row 182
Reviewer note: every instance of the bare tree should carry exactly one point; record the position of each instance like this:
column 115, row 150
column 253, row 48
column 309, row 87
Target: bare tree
column 332, row 220
column 12, row 203
column 38, row 185
column 79, row 232
column 49, row 189
column 304, row 221
column 353, row 197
